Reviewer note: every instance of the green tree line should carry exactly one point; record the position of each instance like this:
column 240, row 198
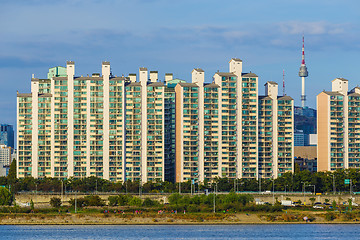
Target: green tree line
column 290, row 182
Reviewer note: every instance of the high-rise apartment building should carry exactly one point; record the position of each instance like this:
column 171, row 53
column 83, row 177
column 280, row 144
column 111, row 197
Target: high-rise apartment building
column 170, row 127
column 141, row 129
column 224, row 129
column 100, row 125
column 338, row 118
column 276, row 125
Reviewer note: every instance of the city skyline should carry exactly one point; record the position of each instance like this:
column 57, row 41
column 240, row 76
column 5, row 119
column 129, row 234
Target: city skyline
column 177, row 37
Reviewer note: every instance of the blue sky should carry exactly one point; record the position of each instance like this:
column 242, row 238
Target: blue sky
column 177, row 36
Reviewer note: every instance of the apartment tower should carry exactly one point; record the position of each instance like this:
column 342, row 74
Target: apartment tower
column 338, row 127
column 100, row 125
column 218, row 127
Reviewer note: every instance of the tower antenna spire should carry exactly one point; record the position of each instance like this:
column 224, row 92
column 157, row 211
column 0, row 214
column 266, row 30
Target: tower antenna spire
column 283, row 82
column 303, row 73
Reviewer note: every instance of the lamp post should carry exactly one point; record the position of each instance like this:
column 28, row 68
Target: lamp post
column 62, row 193
column 199, row 184
column 36, row 193
column 179, row 183
column 235, row 185
column 96, row 186
column 259, row 184
column 215, row 190
column 75, row 202
column 314, row 188
column 140, row 186
column 273, row 191
column 304, row 191
column 126, row 186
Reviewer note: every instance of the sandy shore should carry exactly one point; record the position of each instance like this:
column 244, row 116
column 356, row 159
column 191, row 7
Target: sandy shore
column 152, row 219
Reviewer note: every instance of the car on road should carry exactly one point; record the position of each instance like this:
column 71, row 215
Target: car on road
column 318, row 207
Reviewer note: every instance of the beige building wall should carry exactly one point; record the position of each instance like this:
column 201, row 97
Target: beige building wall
column 179, row 133
column 323, row 132
column 198, row 77
column 309, row 152
column 235, row 66
column 35, row 128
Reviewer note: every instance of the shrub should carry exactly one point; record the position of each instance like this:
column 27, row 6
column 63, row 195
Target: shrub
column 135, row 201
column 113, row 200
column 6, row 198
column 175, row 198
column 149, row 203
column 330, row 216
column 92, row 200
column 123, row 200
column 55, row 202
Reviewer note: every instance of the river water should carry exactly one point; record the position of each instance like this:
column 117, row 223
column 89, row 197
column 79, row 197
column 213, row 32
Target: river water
column 273, row 231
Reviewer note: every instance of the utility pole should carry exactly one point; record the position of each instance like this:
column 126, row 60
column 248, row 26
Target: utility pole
column 215, row 190
column 191, row 187
column 304, row 192
column 259, row 184
column 235, row 180
column 126, row 186
column 179, row 184
column 62, row 193
column 36, row 193
column 199, row 184
column 273, row 192
column 75, row 202
column 334, row 189
column 140, row 186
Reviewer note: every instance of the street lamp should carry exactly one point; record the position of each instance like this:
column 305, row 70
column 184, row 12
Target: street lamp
column 75, row 201
column 235, row 185
column 126, row 186
column 179, row 183
column 304, row 191
column 314, row 188
column 215, row 190
column 198, row 183
column 62, row 199
column 140, row 186
column 273, row 191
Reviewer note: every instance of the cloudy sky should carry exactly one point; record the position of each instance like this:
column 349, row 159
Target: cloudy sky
column 177, row 36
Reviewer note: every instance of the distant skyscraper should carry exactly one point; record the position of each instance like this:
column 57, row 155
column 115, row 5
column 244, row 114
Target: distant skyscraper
column 7, row 135
column 303, row 73
column 5, row 155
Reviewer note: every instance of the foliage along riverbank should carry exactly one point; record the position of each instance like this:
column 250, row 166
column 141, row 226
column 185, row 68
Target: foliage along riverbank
column 182, row 209
column 164, row 218
column 324, row 182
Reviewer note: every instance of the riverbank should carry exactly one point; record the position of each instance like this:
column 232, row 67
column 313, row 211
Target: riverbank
column 170, row 219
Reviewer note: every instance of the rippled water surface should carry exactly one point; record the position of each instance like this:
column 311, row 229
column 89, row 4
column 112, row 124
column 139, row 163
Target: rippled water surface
column 295, row 231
